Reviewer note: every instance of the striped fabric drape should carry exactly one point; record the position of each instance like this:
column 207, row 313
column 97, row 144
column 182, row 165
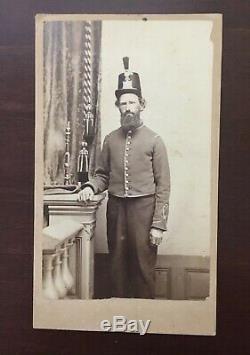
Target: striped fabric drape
column 71, row 67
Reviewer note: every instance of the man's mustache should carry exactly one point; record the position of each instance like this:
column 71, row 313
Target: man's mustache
column 127, row 113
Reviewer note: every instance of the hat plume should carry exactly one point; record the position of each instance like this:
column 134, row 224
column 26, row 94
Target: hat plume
column 126, row 62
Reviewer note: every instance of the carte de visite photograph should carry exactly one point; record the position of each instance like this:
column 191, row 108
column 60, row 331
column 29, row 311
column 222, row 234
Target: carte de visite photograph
column 126, row 172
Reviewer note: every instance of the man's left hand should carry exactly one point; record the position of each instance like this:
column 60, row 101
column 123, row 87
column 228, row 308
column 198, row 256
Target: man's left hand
column 156, row 236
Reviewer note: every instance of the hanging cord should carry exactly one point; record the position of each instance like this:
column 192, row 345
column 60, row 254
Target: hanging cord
column 87, row 81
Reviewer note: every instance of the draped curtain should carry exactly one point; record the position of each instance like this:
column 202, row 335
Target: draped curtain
column 64, row 64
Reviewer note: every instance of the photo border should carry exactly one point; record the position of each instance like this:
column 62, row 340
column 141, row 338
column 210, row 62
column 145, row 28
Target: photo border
column 167, row 316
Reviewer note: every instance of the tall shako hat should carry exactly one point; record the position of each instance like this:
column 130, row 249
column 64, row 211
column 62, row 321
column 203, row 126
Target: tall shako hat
column 128, row 82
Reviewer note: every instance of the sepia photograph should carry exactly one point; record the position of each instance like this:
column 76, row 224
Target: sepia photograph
column 126, row 172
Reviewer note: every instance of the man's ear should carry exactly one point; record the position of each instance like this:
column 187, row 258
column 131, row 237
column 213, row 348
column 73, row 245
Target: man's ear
column 142, row 103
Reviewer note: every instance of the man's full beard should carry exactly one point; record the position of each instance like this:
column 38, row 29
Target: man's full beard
column 130, row 121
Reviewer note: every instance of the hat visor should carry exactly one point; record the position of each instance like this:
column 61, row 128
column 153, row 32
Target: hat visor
column 120, row 92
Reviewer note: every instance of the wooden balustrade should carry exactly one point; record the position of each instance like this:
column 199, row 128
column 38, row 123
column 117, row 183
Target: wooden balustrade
column 58, row 280
column 68, row 246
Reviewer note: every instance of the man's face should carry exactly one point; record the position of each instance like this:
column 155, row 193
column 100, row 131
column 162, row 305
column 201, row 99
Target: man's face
column 130, row 108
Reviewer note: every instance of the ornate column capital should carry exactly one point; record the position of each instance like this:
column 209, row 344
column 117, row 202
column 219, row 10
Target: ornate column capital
column 88, row 230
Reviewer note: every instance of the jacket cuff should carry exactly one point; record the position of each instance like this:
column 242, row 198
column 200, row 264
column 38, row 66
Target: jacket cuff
column 159, row 225
column 89, row 184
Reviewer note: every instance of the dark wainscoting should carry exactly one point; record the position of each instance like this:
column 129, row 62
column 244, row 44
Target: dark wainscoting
column 178, row 277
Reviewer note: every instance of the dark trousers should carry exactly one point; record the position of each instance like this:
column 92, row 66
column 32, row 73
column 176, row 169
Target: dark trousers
column 132, row 258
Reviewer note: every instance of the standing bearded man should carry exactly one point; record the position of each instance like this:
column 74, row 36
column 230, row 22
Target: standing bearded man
column 134, row 168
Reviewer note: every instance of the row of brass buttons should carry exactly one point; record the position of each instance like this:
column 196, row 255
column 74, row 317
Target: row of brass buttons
column 128, row 142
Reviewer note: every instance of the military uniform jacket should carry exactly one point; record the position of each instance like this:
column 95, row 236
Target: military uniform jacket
column 135, row 164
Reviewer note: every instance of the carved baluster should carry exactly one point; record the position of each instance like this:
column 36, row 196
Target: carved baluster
column 58, row 280
column 66, row 274
column 49, row 289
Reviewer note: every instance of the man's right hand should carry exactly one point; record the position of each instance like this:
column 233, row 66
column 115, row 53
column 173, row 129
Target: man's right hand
column 86, row 194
